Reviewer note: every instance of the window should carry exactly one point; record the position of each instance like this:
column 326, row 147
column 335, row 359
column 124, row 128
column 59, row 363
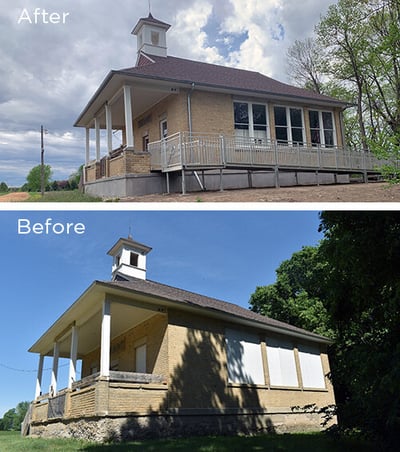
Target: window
column 134, row 259
column 140, row 359
column 322, row 128
column 250, row 121
column 311, row 367
column 244, row 358
column 281, row 363
column 289, row 125
column 155, row 38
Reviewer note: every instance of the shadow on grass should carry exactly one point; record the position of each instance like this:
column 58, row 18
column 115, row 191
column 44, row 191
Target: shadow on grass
column 274, row 443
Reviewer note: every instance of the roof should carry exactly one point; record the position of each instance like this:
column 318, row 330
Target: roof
column 151, row 21
column 208, row 304
column 211, row 75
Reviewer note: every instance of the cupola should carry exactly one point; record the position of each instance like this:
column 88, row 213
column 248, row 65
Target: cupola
column 129, row 259
column 151, row 36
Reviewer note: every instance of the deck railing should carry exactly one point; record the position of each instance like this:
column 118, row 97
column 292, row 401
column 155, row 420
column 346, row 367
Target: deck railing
column 185, row 150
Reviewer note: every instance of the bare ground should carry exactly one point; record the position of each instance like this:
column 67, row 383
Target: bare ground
column 14, row 197
column 372, row 192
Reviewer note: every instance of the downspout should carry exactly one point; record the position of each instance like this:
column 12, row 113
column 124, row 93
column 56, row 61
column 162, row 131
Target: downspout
column 189, row 107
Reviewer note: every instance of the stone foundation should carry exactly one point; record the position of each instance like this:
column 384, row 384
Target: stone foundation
column 117, row 429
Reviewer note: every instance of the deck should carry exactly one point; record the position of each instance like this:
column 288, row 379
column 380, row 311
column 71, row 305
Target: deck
column 185, row 151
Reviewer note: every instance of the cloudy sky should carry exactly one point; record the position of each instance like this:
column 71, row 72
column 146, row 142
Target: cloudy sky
column 49, row 71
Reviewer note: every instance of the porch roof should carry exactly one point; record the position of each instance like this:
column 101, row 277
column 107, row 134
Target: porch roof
column 147, row 298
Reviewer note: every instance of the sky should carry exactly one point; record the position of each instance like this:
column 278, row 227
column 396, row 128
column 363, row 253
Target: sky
column 221, row 254
column 49, row 71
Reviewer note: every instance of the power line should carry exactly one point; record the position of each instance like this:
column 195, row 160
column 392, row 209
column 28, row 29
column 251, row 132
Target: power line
column 14, row 369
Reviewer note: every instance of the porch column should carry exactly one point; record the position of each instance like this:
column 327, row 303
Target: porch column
column 73, row 356
column 105, row 340
column 128, row 116
column 97, row 127
column 109, row 128
column 87, row 145
column 38, row 390
column 54, row 372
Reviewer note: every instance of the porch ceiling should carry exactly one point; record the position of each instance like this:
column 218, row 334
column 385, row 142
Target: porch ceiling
column 145, row 94
column 86, row 314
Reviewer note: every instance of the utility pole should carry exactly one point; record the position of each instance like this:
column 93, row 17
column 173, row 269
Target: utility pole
column 42, row 161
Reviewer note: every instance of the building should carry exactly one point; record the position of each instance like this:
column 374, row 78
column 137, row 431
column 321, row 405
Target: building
column 188, row 125
column 160, row 361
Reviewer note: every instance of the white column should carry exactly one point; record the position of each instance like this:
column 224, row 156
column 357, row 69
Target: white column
column 87, row 145
column 38, row 391
column 54, row 372
column 109, row 128
column 73, row 356
column 97, row 127
column 128, row 116
column 105, row 340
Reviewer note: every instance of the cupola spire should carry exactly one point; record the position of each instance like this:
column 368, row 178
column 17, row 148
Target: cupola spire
column 151, row 35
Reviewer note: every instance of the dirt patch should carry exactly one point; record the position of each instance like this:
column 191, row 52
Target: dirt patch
column 372, row 192
column 14, row 197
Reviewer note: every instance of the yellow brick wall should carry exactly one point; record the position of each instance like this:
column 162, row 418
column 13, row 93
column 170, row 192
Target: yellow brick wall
column 198, row 371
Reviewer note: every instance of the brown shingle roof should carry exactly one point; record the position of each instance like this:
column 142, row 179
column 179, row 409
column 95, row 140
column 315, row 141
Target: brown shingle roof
column 188, row 298
column 212, row 75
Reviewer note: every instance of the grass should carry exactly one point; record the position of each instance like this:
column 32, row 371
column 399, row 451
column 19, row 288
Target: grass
column 12, row 442
column 62, row 196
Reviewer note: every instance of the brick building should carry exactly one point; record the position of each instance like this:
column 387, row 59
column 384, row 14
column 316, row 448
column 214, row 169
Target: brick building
column 187, row 125
column 159, row 361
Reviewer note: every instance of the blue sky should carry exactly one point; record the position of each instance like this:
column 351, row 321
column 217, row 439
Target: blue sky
column 223, row 254
column 50, row 71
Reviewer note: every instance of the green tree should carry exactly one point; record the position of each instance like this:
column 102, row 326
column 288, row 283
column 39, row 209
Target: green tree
column 13, row 418
column 296, row 296
column 3, row 187
column 362, row 290
column 34, row 177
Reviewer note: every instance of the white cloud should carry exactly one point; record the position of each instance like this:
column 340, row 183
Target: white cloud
column 49, row 72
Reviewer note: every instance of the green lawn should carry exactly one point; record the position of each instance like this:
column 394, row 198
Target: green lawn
column 62, row 196
column 12, row 442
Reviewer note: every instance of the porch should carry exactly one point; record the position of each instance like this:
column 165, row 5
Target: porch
column 183, row 154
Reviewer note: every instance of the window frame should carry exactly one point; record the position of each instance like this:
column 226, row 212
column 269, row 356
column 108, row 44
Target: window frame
column 322, row 130
column 251, row 126
column 289, row 127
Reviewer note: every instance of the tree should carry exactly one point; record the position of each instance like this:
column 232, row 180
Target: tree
column 13, row 418
column 34, row 178
column 362, row 290
column 296, row 296
column 304, row 60
column 3, row 187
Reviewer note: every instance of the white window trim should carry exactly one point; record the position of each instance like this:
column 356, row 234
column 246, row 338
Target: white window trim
column 322, row 128
column 289, row 124
column 251, row 120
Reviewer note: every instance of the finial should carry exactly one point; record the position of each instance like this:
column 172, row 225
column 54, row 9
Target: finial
column 130, row 233
column 149, row 7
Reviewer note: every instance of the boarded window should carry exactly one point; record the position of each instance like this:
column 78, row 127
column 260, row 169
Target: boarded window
column 281, row 363
column 244, row 358
column 311, row 367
